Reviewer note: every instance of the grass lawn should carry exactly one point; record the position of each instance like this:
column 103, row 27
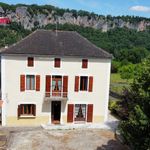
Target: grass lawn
column 115, row 78
column 117, row 84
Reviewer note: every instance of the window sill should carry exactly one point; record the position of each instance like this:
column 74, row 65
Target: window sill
column 30, row 90
column 27, row 116
column 80, row 122
column 83, row 90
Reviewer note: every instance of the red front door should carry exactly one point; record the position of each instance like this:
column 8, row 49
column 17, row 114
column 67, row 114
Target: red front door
column 56, row 85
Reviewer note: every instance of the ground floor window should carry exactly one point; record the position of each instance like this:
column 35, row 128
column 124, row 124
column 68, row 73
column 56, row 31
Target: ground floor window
column 27, row 109
column 80, row 112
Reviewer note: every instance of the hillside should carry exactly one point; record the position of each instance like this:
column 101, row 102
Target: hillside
column 33, row 16
column 126, row 39
column 126, row 45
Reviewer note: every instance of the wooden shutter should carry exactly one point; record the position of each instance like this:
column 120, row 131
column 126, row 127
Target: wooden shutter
column 70, row 113
column 19, row 111
column 22, row 82
column 90, row 113
column 57, row 62
column 30, row 61
column 65, row 86
column 34, row 109
column 76, row 87
column 84, row 63
column 37, row 82
column 48, row 85
column 90, row 84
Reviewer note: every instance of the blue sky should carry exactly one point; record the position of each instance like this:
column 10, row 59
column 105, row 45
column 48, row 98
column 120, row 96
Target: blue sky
column 105, row 7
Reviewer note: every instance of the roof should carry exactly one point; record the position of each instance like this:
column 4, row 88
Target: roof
column 60, row 43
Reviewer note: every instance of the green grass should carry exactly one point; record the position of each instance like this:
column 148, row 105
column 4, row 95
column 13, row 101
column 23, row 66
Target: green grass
column 115, row 78
column 117, row 84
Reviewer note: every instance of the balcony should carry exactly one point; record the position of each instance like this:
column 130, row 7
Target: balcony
column 56, row 96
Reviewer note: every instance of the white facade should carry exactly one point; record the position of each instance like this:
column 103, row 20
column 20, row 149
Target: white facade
column 14, row 66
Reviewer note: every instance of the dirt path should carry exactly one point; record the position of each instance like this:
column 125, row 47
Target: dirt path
column 83, row 139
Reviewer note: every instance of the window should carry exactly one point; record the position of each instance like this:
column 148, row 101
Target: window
column 84, row 63
column 57, row 62
column 80, row 112
column 27, row 109
column 83, row 83
column 30, row 61
column 30, row 82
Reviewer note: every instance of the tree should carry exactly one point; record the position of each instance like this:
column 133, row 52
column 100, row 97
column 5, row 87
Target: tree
column 127, row 72
column 136, row 129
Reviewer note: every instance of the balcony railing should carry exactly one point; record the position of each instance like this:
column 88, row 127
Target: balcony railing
column 56, row 96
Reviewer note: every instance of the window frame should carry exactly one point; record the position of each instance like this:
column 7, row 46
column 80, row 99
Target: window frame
column 84, row 63
column 30, row 108
column 31, row 87
column 83, row 87
column 84, row 113
column 57, row 62
column 30, row 61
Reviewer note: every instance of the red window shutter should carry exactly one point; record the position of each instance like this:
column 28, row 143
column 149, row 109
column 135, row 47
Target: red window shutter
column 90, row 84
column 34, row 109
column 19, row 111
column 90, row 113
column 84, row 63
column 37, row 82
column 57, row 62
column 70, row 113
column 76, row 87
column 48, row 85
column 65, row 86
column 22, row 82
column 30, row 61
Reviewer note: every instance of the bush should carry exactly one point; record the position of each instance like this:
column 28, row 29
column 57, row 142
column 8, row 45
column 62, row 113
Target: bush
column 118, row 109
column 115, row 66
column 113, row 106
column 136, row 129
column 127, row 72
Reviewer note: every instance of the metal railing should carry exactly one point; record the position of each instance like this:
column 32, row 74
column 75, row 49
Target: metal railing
column 56, row 94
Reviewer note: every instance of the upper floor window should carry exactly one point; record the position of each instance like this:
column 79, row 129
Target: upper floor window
column 30, row 61
column 84, row 63
column 30, row 82
column 57, row 62
column 83, row 83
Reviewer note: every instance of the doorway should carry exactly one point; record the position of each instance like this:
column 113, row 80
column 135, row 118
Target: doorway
column 56, row 112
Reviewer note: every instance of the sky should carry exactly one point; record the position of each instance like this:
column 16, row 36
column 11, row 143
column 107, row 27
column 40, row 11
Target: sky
column 102, row 7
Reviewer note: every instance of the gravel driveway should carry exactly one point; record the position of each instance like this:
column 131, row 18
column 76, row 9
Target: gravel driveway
column 79, row 139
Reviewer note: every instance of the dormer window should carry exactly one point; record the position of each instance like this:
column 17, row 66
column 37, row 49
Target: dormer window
column 30, row 61
column 57, row 62
column 84, row 63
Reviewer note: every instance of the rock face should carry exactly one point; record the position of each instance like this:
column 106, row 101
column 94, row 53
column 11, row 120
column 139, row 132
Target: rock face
column 30, row 20
column 1, row 10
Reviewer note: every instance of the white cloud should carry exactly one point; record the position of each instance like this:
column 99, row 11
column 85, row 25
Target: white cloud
column 140, row 8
